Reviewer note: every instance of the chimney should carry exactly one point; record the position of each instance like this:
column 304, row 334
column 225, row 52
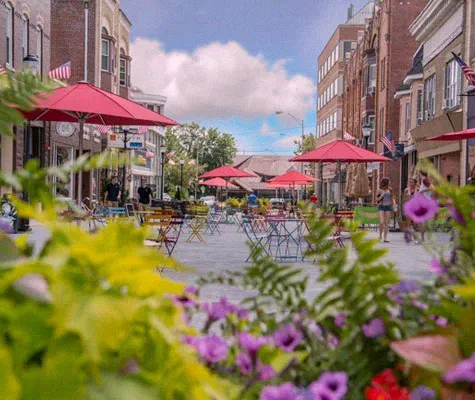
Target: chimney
column 350, row 11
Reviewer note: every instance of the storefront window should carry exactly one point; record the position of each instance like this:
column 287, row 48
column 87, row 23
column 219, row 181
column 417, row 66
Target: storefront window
column 62, row 155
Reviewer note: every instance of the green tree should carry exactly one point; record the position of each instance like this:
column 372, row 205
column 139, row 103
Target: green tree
column 309, row 144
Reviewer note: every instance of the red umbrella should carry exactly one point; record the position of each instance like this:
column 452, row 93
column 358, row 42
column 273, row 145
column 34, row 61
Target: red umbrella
column 87, row 104
column 293, row 178
column 227, row 172
column 460, row 135
column 219, row 182
column 342, row 151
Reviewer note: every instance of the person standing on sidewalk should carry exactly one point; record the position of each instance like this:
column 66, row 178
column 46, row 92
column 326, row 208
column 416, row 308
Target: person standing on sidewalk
column 386, row 205
column 112, row 195
column 145, row 197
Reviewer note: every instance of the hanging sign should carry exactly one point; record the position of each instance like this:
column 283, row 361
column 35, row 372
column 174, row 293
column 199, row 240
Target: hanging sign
column 116, row 140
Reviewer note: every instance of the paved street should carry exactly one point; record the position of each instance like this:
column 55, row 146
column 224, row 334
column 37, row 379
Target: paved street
column 229, row 251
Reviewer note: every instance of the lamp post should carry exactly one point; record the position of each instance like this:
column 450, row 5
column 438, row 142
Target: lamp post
column 366, row 129
column 163, row 150
column 182, row 165
column 124, row 169
column 301, row 122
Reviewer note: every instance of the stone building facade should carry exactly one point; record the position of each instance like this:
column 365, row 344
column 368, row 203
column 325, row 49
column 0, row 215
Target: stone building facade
column 25, row 30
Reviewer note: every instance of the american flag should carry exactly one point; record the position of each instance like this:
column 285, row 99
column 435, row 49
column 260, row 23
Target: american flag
column 62, row 72
column 103, row 128
column 347, row 137
column 467, row 71
column 142, row 129
column 388, row 141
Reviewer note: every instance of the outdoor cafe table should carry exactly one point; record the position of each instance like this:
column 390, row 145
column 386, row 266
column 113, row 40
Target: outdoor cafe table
column 285, row 237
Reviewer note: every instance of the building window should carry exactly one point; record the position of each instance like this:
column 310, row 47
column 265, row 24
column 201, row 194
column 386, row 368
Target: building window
column 407, row 114
column 25, row 36
column 452, row 84
column 429, row 97
column 420, row 104
column 371, row 121
column 381, row 122
column 105, row 52
column 371, row 71
column 39, row 47
column 123, row 69
column 383, row 73
column 9, row 38
column 62, row 155
column 346, row 49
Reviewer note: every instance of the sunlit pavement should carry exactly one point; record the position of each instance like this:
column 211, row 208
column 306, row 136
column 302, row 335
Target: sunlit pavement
column 228, row 251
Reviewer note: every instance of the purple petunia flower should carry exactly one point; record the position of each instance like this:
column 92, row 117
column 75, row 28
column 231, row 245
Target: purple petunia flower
column 332, row 341
column 191, row 290
column 266, row 372
column 456, row 215
column 437, row 268
column 340, row 320
column 6, row 226
column 184, row 301
column 419, row 304
column 251, row 343
column 217, row 310
column 407, row 286
column 374, row 328
column 336, row 383
column 464, row 371
column 423, row 393
column 212, row 348
column 320, row 392
column 241, row 312
column 441, row 321
column 420, row 209
column 244, row 362
column 190, row 340
column 288, row 338
column 286, row 391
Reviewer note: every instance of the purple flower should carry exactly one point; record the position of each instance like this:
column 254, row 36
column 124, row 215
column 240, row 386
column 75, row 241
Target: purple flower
column 241, row 312
column 320, row 392
column 456, row 215
column 441, row 321
column 419, row 304
column 184, row 301
column 131, row 367
column 217, row 310
column 191, row 290
column 244, row 362
column 464, row 371
column 437, row 268
column 420, row 209
column 375, row 328
column 212, row 348
column 332, row 341
column 423, row 393
column 266, row 372
column 288, row 338
column 190, row 340
column 251, row 343
column 340, row 320
column 335, row 383
column 407, row 287
column 286, row 391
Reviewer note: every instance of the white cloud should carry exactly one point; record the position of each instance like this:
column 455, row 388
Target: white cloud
column 288, row 142
column 218, row 81
column 266, row 130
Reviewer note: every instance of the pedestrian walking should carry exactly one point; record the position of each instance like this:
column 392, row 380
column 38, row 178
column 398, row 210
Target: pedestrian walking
column 426, row 186
column 386, row 206
column 113, row 192
column 145, row 196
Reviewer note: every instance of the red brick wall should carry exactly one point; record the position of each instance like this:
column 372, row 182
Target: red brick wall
column 450, row 165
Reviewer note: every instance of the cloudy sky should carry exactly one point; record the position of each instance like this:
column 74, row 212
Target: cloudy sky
column 232, row 63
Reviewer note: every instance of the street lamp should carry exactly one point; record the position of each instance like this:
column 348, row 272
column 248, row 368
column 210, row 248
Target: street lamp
column 182, row 165
column 367, row 129
column 163, row 150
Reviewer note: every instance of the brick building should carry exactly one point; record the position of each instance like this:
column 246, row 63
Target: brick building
column 108, row 67
column 440, row 28
column 374, row 73
column 331, row 67
column 25, row 30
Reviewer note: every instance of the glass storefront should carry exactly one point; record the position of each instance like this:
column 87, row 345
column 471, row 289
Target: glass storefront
column 61, row 155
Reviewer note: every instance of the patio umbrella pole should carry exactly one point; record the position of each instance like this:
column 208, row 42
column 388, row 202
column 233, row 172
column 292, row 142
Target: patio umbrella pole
column 339, row 184
column 81, row 139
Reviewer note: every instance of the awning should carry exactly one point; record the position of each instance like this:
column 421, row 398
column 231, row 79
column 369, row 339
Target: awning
column 449, row 122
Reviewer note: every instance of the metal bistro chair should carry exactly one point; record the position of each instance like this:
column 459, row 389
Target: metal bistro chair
column 259, row 241
column 213, row 221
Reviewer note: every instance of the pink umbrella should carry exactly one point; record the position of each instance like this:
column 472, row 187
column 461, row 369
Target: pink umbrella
column 460, row 135
column 219, row 182
column 227, row 172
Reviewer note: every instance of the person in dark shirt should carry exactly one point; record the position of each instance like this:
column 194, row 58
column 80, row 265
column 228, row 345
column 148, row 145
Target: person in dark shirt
column 145, row 195
column 112, row 193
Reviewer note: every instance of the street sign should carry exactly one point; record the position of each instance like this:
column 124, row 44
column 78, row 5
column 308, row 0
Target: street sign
column 134, row 141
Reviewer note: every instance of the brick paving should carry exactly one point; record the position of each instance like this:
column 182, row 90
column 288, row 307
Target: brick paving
column 229, row 251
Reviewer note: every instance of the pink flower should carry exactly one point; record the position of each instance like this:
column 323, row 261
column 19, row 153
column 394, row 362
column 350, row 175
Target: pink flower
column 212, row 348
column 437, row 268
column 420, row 209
